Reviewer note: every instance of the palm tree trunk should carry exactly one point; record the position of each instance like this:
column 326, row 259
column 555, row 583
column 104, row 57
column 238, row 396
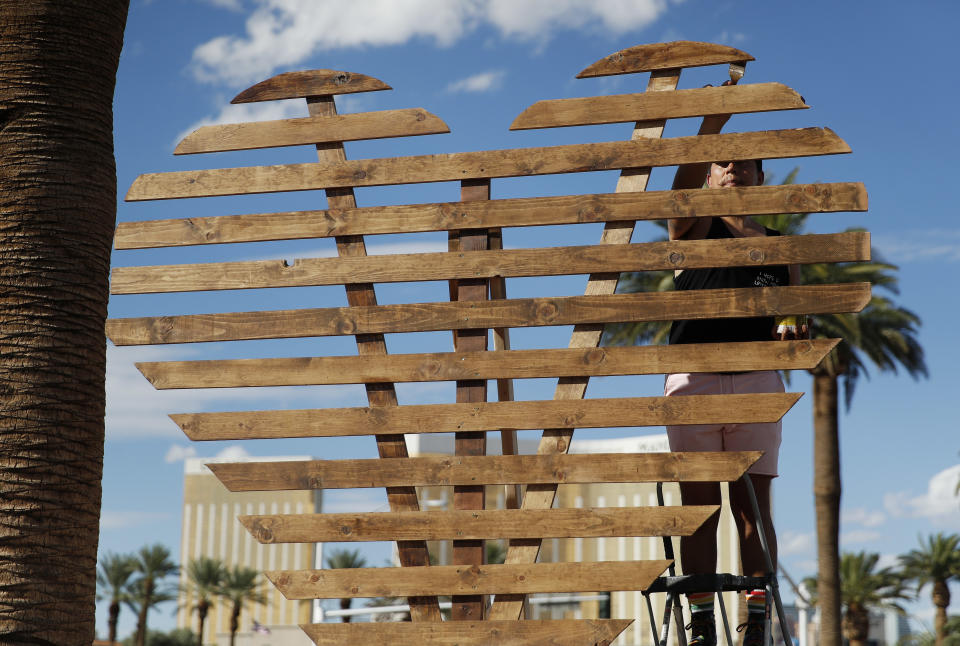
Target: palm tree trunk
column 345, row 604
column 234, row 623
column 856, row 626
column 58, row 63
column 202, row 608
column 114, row 616
column 940, row 595
column 826, row 490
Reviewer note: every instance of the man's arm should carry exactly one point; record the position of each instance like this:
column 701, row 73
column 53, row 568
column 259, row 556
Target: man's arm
column 692, row 176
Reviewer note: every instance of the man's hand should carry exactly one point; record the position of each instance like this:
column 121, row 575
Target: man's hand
column 791, row 328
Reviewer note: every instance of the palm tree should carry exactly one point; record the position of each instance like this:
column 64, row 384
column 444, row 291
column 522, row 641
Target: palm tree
column 115, row 570
column 240, row 586
column 936, row 562
column 153, row 565
column 345, row 559
column 862, row 588
column 58, row 204
column 883, row 334
column 205, row 578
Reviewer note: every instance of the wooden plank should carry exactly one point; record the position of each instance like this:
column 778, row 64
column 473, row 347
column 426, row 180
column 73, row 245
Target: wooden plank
column 517, row 212
column 546, row 261
column 311, row 130
column 557, row 468
column 659, row 56
column 619, row 108
column 559, row 632
column 309, row 83
column 571, row 158
column 478, row 524
column 554, row 440
column 457, row 579
column 444, row 418
column 521, row 312
column 510, row 364
column 381, row 396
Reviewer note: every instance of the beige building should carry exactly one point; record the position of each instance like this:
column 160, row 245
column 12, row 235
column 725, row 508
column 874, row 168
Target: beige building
column 210, row 528
column 623, row 604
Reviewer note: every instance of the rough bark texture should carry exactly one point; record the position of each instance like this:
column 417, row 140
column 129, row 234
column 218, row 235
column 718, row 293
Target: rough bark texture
column 826, row 489
column 940, row 596
column 856, row 625
column 58, row 62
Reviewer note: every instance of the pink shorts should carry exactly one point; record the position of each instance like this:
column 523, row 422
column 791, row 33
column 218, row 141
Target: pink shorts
column 728, row 437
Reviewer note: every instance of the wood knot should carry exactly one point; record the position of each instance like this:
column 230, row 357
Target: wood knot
column 595, row 357
column 341, row 78
column 346, row 326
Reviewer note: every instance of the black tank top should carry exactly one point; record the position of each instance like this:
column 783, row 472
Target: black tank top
column 728, row 329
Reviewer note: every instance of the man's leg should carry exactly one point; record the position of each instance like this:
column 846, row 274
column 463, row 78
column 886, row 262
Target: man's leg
column 751, row 550
column 698, row 555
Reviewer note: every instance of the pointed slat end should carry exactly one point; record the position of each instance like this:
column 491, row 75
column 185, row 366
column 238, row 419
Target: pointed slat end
column 659, row 56
column 299, row 85
column 606, row 630
column 188, row 145
column 527, row 119
column 186, row 424
column 148, row 370
column 842, row 146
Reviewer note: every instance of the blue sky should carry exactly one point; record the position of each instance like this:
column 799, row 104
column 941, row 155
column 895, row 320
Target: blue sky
column 881, row 75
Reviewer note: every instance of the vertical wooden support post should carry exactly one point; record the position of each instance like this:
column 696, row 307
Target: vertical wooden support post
column 471, row 552
column 557, row 440
column 501, row 341
column 412, row 553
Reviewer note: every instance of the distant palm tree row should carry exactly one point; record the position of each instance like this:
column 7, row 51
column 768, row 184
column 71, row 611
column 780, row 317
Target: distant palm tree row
column 139, row 581
column 863, row 586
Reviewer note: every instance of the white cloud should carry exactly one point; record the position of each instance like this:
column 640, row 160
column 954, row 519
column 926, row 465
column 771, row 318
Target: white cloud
column 860, row 516
column 244, row 112
column 940, row 502
column 283, row 33
column 127, row 519
column 355, row 500
column 232, row 5
column 482, row 82
column 919, row 245
column 178, row 453
column 232, row 452
column 789, row 543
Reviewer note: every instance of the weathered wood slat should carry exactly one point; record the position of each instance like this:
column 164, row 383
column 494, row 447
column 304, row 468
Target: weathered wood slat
column 620, row 108
column 525, row 312
column 460, row 579
column 478, row 524
column 573, row 158
column 444, row 418
column 659, row 56
column 311, row 130
column 559, row 632
column 512, row 364
column 557, row 468
column 518, row 212
column 309, row 83
column 547, row 261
